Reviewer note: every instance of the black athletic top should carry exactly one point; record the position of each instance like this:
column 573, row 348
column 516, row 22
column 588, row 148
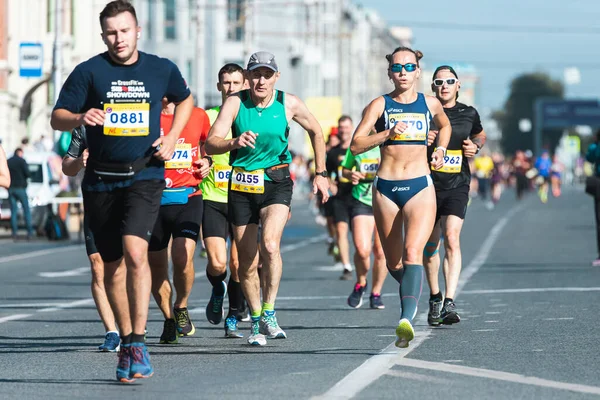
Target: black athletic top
column 335, row 156
column 455, row 173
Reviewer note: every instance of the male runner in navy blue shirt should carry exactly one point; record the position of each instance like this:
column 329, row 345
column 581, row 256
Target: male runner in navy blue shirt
column 117, row 95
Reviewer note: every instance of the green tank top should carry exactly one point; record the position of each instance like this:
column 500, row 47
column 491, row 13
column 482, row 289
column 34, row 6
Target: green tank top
column 270, row 123
column 368, row 164
column 208, row 186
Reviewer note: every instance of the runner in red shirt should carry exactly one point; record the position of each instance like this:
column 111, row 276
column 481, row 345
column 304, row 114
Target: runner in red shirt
column 179, row 217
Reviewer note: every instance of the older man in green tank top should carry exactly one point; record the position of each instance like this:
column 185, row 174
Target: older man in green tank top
column 260, row 187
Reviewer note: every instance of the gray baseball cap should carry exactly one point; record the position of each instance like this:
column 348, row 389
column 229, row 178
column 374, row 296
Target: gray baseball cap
column 262, row 59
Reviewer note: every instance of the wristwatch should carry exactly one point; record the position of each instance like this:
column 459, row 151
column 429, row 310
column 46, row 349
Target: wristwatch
column 210, row 160
column 478, row 148
column 324, row 174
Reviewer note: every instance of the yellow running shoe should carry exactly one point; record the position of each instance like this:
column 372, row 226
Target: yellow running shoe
column 405, row 333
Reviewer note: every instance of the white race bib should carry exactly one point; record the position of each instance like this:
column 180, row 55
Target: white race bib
column 248, row 181
column 417, row 126
column 369, row 167
column 452, row 162
column 182, row 157
column 127, row 119
column 222, row 174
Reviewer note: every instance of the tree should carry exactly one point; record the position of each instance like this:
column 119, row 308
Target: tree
column 525, row 89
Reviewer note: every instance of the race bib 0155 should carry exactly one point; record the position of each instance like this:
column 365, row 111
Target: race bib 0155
column 248, row 181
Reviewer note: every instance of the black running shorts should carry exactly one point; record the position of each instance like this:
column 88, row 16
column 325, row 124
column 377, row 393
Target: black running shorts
column 122, row 211
column 214, row 220
column 244, row 208
column 356, row 208
column 177, row 220
column 90, row 244
column 452, row 202
column 340, row 208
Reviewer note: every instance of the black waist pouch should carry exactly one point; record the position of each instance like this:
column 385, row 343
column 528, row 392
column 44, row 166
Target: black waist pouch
column 114, row 172
column 278, row 173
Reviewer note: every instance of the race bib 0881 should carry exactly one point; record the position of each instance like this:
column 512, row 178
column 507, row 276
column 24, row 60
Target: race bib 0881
column 127, row 119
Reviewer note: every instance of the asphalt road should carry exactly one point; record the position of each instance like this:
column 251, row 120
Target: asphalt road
column 528, row 298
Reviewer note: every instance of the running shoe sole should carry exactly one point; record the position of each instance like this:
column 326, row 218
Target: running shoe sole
column 257, row 342
column 190, row 333
column 451, row 318
column 360, row 303
column 433, row 321
column 405, row 334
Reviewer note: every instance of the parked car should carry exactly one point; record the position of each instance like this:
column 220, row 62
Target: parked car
column 42, row 188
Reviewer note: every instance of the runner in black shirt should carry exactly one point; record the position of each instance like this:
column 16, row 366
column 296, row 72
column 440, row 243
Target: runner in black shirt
column 118, row 96
column 338, row 204
column 452, row 193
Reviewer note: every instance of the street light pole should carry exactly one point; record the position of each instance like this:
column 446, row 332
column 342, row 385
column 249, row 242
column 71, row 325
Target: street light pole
column 57, row 58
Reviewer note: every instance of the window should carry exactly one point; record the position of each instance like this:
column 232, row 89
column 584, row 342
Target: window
column 170, row 29
column 235, row 20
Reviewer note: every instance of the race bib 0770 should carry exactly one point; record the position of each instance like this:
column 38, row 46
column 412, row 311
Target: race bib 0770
column 248, row 181
column 127, row 119
column 417, row 126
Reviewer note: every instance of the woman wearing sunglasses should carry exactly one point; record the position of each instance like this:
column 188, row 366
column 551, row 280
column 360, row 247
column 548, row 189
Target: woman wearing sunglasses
column 403, row 193
column 451, row 183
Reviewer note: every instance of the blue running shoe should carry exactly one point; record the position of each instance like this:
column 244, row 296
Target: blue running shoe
column 140, row 361
column 231, row 328
column 124, row 364
column 112, row 340
column 214, row 308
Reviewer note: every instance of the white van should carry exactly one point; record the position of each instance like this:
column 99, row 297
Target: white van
column 42, row 188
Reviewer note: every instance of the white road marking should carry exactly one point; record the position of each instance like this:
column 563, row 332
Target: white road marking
column 533, row 290
column 64, row 306
column 38, row 253
column 498, row 375
column 485, row 330
column 559, row 319
column 62, row 274
column 491, row 322
column 329, row 268
column 379, row 364
column 417, row 377
column 14, row 317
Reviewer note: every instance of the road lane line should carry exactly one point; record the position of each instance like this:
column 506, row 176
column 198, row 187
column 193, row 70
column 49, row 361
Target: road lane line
column 497, row 375
column 39, row 253
column 533, row 290
column 62, row 274
column 14, row 317
column 379, row 364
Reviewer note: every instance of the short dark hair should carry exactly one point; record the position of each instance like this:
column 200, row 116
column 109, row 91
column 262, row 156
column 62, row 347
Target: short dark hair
column 230, row 68
column 445, row 68
column 115, row 8
column 344, row 118
column 17, row 150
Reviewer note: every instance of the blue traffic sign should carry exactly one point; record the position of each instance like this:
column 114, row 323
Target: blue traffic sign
column 31, row 60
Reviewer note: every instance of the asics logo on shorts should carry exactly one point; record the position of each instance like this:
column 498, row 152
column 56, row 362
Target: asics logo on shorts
column 400, row 188
column 189, row 231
